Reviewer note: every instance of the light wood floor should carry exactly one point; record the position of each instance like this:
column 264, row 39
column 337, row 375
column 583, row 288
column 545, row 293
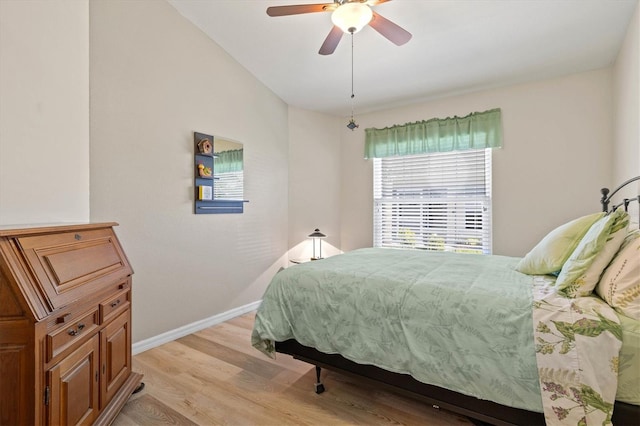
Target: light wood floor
column 216, row 377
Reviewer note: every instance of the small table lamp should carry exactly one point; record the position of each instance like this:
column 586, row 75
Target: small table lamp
column 317, row 236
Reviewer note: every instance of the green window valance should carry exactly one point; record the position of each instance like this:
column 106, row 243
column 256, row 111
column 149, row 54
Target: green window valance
column 477, row 130
column 229, row 161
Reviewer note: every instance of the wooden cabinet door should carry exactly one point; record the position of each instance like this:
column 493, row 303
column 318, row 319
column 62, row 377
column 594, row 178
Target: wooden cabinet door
column 74, row 386
column 115, row 356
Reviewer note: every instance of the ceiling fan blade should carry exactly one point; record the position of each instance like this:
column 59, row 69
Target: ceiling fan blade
column 388, row 29
column 331, row 42
column 297, row 9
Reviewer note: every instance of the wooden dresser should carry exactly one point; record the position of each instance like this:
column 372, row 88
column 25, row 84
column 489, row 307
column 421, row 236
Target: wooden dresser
column 65, row 325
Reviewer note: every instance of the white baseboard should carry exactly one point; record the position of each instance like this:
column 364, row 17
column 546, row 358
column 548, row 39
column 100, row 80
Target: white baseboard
column 179, row 332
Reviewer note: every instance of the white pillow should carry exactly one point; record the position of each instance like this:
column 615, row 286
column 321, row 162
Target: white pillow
column 620, row 282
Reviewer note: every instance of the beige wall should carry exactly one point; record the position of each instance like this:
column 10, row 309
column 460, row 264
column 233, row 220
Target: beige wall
column 314, row 181
column 626, row 107
column 556, row 155
column 44, row 111
column 156, row 78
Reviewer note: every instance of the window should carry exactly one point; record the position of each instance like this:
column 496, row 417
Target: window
column 438, row 201
column 229, row 185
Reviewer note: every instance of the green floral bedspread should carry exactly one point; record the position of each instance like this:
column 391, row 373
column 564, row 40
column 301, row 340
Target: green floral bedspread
column 459, row 321
column 629, row 365
column 578, row 345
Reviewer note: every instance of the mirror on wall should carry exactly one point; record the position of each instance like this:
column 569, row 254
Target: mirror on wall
column 219, row 175
column 228, row 169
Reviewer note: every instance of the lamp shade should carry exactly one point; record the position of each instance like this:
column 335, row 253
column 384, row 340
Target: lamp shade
column 317, row 234
column 352, row 17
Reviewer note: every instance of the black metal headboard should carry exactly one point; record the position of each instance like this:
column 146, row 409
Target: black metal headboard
column 607, row 195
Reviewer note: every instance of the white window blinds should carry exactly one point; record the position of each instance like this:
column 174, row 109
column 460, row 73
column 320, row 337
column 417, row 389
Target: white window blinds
column 229, row 185
column 438, row 201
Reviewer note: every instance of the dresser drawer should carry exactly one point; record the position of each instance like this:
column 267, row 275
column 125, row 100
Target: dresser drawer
column 114, row 305
column 61, row 338
column 71, row 265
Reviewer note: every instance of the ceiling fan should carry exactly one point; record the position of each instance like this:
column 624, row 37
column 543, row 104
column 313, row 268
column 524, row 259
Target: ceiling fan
column 348, row 16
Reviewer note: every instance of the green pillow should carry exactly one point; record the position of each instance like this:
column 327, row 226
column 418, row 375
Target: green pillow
column 548, row 256
column 581, row 272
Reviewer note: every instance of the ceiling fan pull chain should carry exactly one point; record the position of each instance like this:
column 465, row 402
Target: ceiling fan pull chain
column 352, row 123
column 352, row 95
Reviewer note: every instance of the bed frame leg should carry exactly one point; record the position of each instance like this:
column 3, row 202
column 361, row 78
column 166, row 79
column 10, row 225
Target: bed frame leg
column 319, row 385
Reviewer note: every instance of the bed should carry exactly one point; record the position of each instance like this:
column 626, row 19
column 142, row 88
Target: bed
column 475, row 334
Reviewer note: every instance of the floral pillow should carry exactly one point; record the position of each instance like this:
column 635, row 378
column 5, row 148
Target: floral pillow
column 620, row 282
column 548, row 256
column 581, row 272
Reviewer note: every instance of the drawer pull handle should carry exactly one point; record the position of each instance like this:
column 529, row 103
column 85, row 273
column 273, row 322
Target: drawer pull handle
column 64, row 318
column 77, row 237
column 72, row 332
column 80, row 326
column 116, row 303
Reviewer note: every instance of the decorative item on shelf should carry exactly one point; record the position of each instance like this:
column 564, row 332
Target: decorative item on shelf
column 205, row 146
column 204, row 171
column 205, row 192
column 317, row 236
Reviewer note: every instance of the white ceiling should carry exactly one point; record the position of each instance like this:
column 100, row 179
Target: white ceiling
column 458, row 46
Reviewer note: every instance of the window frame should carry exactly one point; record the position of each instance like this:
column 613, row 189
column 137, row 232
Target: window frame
column 464, row 212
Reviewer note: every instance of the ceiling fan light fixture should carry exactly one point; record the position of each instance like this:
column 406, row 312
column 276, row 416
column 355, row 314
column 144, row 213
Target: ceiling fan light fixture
column 352, row 17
